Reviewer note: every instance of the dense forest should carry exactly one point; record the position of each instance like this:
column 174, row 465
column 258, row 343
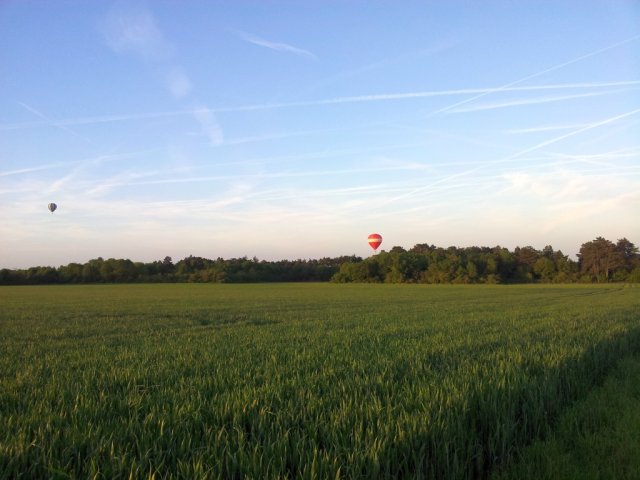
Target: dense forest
column 599, row 260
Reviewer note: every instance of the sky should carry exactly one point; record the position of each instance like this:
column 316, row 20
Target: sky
column 287, row 130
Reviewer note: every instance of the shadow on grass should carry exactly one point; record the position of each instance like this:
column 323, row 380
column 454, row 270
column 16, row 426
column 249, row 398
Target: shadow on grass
column 597, row 437
column 498, row 422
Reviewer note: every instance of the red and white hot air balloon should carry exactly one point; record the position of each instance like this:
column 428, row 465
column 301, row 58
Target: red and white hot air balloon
column 375, row 240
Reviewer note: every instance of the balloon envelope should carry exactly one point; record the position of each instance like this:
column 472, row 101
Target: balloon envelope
column 52, row 207
column 375, row 240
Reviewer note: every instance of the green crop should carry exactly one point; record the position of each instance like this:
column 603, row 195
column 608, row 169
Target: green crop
column 295, row 381
column 596, row 437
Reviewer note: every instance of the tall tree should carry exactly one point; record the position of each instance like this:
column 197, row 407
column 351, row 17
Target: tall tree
column 599, row 258
column 628, row 251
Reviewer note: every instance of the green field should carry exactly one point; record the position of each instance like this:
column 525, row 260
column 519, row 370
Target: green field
column 296, row 380
column 597, row 438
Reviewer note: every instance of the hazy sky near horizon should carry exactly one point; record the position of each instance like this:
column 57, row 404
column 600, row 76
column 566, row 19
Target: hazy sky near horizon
column 294, row 129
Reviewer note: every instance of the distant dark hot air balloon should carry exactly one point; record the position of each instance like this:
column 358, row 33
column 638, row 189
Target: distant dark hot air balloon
column 375, row 240
column 52, row 207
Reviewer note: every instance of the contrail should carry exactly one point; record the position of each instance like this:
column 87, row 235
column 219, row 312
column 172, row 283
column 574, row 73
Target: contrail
column 51, row 122
column 530, row 101
column 278, row 46
column 285, row 174
column 507, row 86
column 515, row 155
column 100, row 119
column 434, row 93
column 542, row 128
column 34, row 169
column 330, row 101
column 99, row 158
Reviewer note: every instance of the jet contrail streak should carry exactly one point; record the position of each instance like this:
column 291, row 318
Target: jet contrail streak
column 330, row 101
column 515, row 155
column 534, row 75
column 51, row 122
column 530, row 101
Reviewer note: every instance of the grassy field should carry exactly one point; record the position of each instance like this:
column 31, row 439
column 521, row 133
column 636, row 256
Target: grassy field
column 296, row 381
column 597, row 438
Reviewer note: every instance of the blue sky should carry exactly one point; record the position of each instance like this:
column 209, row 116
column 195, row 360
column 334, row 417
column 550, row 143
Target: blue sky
column 295, row 129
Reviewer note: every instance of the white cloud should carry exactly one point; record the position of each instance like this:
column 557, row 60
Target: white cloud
column 178, row 82
column 209, row 124
column 558, row 185
column 615, row 208
column 515, row 156
column 134, row 30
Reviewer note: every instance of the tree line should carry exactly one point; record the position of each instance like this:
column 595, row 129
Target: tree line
column 189, row 269
column 599, row 260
